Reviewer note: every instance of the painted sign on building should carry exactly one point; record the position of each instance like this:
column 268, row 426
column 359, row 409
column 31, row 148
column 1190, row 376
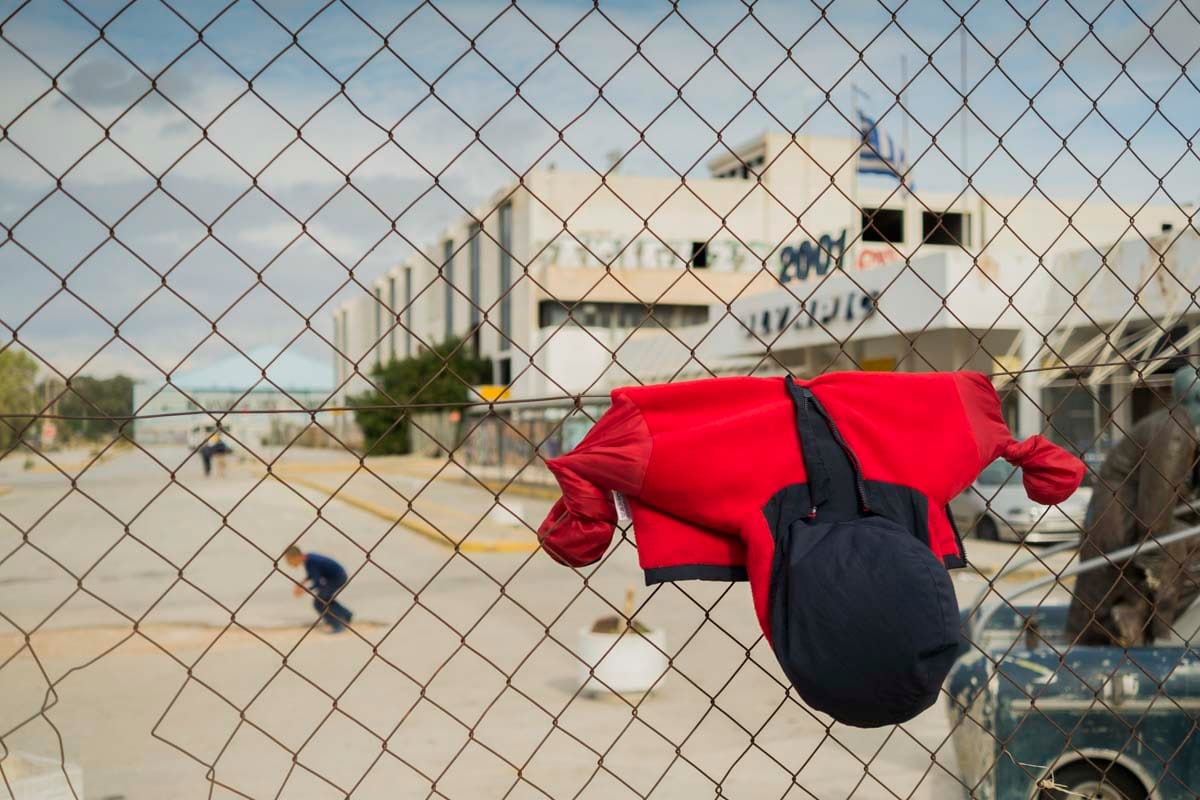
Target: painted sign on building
column 797, row 263
column 871, row 257
column 824, row 311
column 929, row 292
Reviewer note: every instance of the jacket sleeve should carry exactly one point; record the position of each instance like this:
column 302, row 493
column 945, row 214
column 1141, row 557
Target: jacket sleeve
column 720, row 449
column 612, row 456
column 1049, row 473
column 693, row 458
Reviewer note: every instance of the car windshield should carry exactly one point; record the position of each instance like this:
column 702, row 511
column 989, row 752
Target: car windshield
column 1000, row 473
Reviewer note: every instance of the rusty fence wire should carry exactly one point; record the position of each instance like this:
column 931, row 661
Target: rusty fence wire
column 541, row 202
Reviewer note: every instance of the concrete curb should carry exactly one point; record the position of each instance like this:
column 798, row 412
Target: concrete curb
column 470, row 545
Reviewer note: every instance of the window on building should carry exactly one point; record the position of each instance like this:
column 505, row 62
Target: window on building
column 474, row 289
column 754, row 166
column 679, row 316
column 448, row 277
column 552, row 313
column 883, row 225
column 392, row 321
column 408, row 296
column 632, row 315
column 943, row 228
column 1147, row 398
column 699, row 259
column 748, row 167
column 1010, row 406
column 504, row 371
column 1079, row 416
column 594, row 315
column 505, row 275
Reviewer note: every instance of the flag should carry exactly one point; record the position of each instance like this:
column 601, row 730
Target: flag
column 878, row 155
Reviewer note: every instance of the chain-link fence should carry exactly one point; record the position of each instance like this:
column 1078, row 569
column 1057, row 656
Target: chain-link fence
column 292, row 279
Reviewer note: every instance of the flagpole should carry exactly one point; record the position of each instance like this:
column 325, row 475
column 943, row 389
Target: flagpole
column 963, row 88
column 904, row 124
column 856, row 212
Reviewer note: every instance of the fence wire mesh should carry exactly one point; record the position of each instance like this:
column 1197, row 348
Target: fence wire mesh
column 484, row 216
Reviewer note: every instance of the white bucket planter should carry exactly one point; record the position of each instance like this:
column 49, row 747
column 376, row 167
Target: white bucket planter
column 628, row 664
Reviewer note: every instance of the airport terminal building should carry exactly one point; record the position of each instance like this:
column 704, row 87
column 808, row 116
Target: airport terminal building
column 788, row 259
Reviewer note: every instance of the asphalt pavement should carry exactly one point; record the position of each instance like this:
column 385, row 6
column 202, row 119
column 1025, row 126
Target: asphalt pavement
column 168, row 654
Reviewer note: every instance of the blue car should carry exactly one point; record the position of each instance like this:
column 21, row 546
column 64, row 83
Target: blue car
column 1034, row 719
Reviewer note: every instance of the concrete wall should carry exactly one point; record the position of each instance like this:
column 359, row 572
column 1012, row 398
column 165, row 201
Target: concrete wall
column 252, row 429
column 768, row 246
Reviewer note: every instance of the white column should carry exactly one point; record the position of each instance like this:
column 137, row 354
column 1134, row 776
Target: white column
column 1030, row 417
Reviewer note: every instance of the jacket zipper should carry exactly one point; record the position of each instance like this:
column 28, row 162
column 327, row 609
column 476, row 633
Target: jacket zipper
column 837, row 436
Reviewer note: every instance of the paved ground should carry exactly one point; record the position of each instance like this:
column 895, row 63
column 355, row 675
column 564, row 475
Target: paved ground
column 178, row 657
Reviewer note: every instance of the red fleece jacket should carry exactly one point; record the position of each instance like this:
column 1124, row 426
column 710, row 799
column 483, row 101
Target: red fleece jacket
column 698, row 461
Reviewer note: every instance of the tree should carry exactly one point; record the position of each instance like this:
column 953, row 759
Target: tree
column 97, row 399
column 17, row 396
column 440, row 374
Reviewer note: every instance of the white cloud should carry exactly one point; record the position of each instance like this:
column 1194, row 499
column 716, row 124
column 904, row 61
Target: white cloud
column 251, row 133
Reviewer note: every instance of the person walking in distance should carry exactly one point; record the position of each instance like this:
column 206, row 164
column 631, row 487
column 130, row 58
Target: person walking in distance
column 214, row 446
column 324, row 578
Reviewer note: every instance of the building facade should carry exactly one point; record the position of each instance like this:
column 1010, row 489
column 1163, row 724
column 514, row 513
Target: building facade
column 171, row 412
column 786, row 259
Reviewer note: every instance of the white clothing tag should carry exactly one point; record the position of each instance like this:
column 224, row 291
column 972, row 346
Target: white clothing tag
column 622, row 507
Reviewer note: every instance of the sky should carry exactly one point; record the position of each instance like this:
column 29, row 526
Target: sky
column 207, row 97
